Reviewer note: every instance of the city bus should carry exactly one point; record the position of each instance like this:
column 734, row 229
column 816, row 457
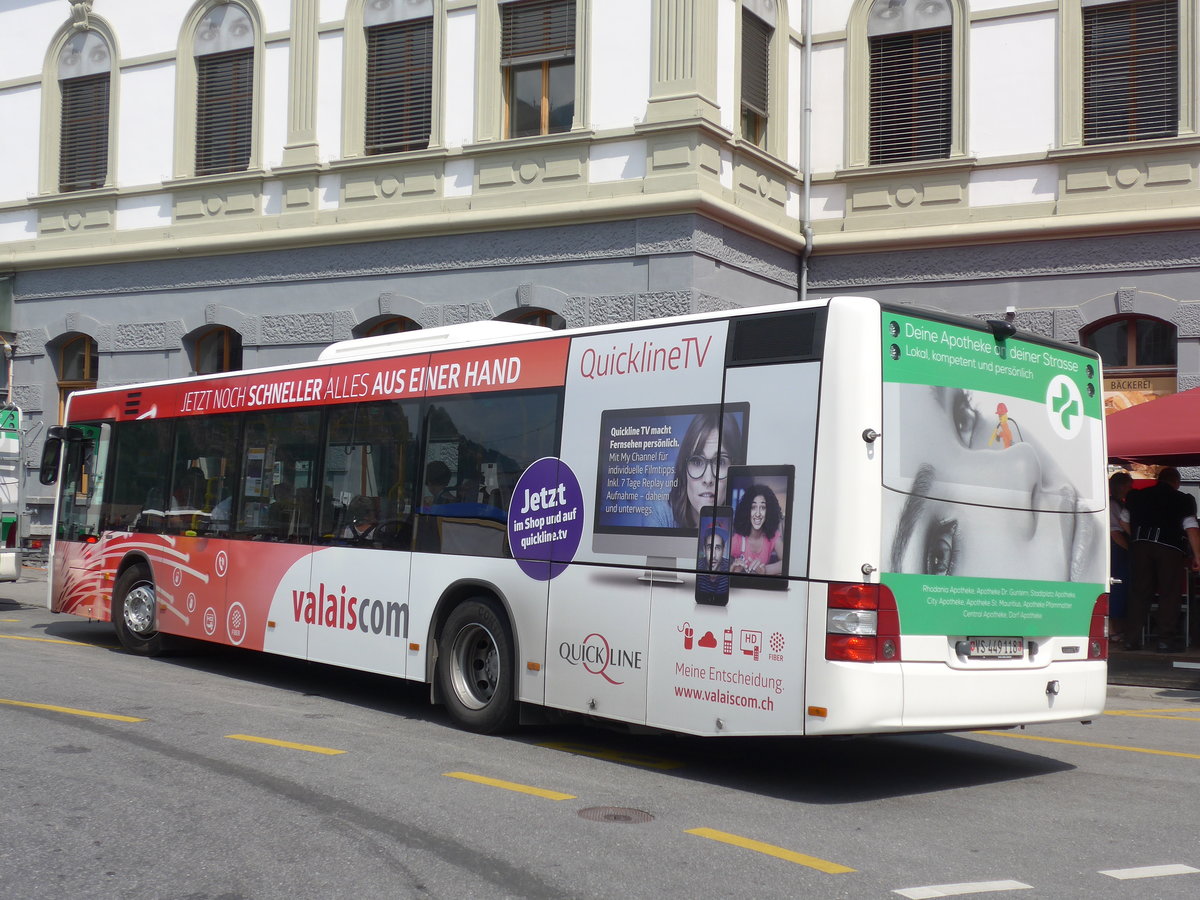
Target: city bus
column 831, row 517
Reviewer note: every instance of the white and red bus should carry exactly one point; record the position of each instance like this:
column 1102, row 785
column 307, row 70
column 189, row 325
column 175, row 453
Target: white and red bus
column 826, row 518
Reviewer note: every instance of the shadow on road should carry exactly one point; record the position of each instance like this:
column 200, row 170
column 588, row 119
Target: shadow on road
column 805, row 770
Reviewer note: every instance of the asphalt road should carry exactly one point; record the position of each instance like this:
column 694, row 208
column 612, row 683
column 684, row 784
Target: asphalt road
column 225, row 774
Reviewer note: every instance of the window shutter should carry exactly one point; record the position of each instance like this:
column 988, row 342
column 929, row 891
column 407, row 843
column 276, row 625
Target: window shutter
column 224, row 111
column 756, row 62
column 399, row 86
column 83, row 151
column 911, row 81
column 536, row 30
column 1130, row 71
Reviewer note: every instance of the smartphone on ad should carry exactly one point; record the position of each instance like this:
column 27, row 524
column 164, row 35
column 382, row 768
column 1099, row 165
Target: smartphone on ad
column 712, row 555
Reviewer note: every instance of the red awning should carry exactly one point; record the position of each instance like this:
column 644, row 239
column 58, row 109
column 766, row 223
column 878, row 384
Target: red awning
column 1163, row 432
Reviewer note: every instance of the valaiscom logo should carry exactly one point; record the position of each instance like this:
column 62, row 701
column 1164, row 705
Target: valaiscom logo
column 350, row 613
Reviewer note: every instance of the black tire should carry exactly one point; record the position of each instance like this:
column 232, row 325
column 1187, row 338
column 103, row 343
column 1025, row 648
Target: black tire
column 476, row 674
column 135, row 612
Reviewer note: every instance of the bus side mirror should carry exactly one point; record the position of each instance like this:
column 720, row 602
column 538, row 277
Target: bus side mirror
column 51, row 454
column 52, row 450
column 65, row 432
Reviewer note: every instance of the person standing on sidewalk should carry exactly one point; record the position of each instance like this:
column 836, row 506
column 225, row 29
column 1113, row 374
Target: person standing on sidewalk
column 1164, row 528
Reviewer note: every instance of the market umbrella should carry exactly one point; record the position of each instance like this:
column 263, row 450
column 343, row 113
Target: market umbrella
column 1164, row 432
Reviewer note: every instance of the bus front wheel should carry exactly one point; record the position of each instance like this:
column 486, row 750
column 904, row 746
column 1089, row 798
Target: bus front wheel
column 135, row 613
column 475, row 670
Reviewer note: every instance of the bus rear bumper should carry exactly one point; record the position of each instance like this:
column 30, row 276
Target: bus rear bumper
column 874, row 698
column 937, row 697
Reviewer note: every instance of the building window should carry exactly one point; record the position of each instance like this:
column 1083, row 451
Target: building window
column 758, row 27
column 217, row 349
column 1130, row 70
column 84, row 73
column 388, row 325
column 534, row 315
column 911, row 80
column 399, row 96
column 77, row 368
column 224, row 51
column 1134, row 342
column 537, row 56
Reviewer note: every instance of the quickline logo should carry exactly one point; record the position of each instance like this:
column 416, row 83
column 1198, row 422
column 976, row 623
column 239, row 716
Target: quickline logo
column 1064, row 407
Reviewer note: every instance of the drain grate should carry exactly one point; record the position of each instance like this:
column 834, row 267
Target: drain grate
column 622, row 815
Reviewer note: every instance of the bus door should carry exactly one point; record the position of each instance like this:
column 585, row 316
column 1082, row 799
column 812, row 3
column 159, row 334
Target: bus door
column 357, row 609
column 77, row 556
column 731, row 659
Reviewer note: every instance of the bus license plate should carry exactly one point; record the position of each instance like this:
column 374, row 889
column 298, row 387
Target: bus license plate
column 996, row 647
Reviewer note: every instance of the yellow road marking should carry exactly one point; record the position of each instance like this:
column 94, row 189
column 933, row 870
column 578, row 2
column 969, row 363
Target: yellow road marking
column 1050, row 740
column 802, row 859
column 1141, row 715
column 71, row 711
column 328, row 751
column 21, row 637
column 510, row 786
column 10, row 620
column 1137, row 712
column 631, row 759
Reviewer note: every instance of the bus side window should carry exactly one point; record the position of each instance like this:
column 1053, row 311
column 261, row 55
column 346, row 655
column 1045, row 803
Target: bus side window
column 202, row 490
column 279, row 455
column 475, row 449
column 368, row 484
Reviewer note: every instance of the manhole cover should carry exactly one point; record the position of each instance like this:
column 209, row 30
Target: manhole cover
column 620, row 814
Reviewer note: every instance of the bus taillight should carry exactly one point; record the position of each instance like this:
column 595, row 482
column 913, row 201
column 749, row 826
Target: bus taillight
column 1098, row 633
column 862, row 624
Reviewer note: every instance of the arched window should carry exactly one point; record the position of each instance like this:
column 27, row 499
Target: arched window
column 223, row 46
column 906, row 81
column 399, row 75
column 217, row 349
column 535, row 315
column 84, row 81
column 386, row 325
column 1124, row 70
column 1134, row 343
column 77, row 368
column 758, row 31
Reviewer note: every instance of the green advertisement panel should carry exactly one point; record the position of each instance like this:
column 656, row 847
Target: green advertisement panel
column 991, row 607
column 994, row 500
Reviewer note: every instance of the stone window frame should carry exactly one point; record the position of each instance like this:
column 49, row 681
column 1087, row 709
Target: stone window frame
column 858, row 88
column 354, row 80
column 1070, row 31
column 489, row 77
column 186, row 84
column 51, row 125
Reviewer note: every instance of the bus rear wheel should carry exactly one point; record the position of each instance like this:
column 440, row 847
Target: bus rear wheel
column 475, row 671
column 135, row 613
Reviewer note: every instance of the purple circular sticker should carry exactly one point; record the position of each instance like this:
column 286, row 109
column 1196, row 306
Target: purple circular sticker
column 545, row 519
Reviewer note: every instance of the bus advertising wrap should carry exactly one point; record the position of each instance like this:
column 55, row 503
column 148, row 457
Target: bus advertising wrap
column 984, row 532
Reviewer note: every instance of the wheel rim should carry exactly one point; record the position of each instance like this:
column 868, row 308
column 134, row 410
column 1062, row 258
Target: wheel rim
column 474, row 666
column 139, row 610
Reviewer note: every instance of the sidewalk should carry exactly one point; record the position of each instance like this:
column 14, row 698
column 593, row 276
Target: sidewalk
column 1145, row 668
